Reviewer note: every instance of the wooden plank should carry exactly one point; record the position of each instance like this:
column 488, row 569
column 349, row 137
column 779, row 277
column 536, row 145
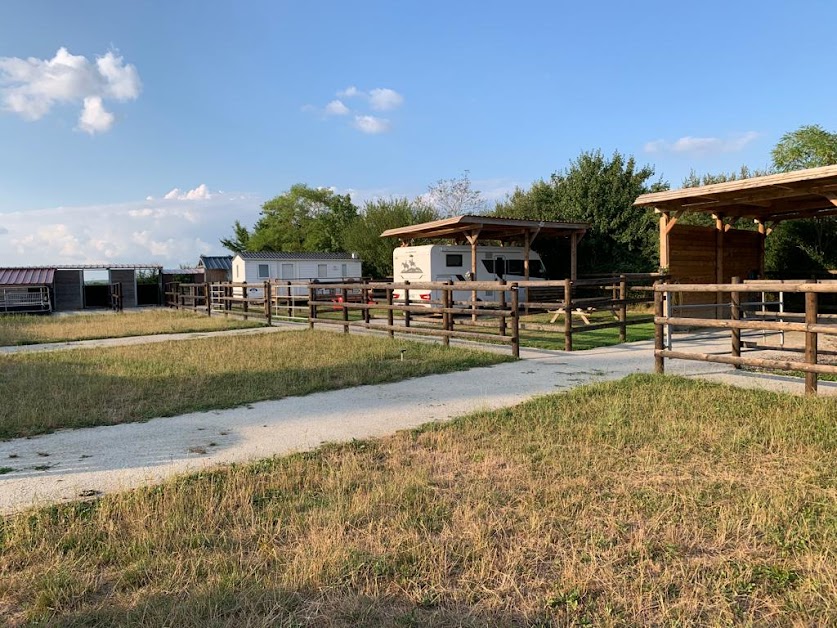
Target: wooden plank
column 811, row 309
column 779, row 365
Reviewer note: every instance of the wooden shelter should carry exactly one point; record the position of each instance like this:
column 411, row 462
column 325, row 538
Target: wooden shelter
column 473, row 229
column 693, row 254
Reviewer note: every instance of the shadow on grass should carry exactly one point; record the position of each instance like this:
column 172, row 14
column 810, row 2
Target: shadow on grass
column 254, row 606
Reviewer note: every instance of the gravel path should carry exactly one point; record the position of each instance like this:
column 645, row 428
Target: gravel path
column 70, row 464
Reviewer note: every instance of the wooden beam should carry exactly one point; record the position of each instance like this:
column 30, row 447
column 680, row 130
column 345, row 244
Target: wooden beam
column 719, row 259
column 664, row 252
column 574, row 256
column 762, row 228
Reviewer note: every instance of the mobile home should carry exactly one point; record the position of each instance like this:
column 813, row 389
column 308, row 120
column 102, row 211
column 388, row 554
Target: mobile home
column 451, row 262
column 261, row 266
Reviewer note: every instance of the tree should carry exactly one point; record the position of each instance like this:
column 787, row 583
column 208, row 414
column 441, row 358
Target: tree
column 809, row 146
column 363, row 236
column 455, row 197
column 240, row 240
column 601, row 192
column 301, row 219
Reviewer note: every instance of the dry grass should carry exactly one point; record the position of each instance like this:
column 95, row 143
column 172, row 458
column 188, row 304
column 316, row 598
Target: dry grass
column 25, row 330
column 84, row 387
column 651, row 501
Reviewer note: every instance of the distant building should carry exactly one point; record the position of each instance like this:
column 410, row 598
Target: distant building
column 216, row 267
column 254, row 267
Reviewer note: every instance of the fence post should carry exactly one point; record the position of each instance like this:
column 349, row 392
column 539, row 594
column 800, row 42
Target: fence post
column 659, row 340
column 568, row 315
column 344, row 297
column 207, row 298
column 267, row 302
column 623, row 309
column 811, row 315
column 291, row 301
column 447, row 317
column 407, row 316
column 312, row 307
column 503, row 306
column 735, row 314
column 515, row 332
column 246, row 296
column 367, row 312
column 390, row 318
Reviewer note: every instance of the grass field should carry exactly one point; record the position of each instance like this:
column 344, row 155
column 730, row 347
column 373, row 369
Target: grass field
column 84, row 387
column 24, row 330
column 650, row 501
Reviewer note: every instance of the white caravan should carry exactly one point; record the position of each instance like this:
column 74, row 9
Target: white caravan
column 452, row 262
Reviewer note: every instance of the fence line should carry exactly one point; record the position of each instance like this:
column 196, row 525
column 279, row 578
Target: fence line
column 443, row 309
column 729, row 297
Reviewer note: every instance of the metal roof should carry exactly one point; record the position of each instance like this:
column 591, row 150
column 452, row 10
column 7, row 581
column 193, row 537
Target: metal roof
column 91, row 267
column 488, row 228
column 216, row 262
column 183, row 271
column 273, row 255
column 798, row 194
column 26, row 276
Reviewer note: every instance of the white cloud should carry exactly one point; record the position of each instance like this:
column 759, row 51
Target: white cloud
column 336, row 108
column 703, row 145
column 199, row 193
column 31, row 87
column 94, row 117
column 372, row 124
column 349, row 92
column 384, row 99
column 169, row 232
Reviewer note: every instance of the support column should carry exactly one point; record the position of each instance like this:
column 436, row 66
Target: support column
column 664, row 257
column 526, row 244
column 763, row 235
column 574, row 256
column 719, row 261
column 472, row 240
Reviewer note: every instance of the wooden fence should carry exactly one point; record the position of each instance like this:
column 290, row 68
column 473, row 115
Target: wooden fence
column 739, row 318
column 117, row 299
column 444, row 309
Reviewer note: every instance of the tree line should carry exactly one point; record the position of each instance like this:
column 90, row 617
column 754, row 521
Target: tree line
column 593, row 188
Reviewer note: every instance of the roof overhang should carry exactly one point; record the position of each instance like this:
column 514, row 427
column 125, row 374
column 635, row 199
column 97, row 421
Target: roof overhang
column 487, row 227
column 800, row 194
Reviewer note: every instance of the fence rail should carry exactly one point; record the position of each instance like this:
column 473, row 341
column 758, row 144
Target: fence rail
column 729, row 297
column 443, row 309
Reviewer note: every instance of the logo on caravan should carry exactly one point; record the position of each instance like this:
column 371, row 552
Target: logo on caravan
column 409, row 267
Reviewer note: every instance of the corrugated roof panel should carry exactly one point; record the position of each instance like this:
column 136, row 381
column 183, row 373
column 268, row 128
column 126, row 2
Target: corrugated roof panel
column 217, row 262
column 26, row 276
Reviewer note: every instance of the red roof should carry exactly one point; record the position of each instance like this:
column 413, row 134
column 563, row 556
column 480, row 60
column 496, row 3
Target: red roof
column 26, row 276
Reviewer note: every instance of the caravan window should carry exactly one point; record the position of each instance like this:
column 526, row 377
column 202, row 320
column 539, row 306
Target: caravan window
column 515, row 267
column 264, row 271
column 453, row 260
column 489, row 265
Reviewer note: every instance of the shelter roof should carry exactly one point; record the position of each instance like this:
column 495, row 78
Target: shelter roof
column 273, row 255
column 489, row 228
column 35, row 276
column 216, row 262
column 785, row 196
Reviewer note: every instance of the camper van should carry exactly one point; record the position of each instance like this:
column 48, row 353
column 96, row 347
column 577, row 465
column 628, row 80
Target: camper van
column 451, row 262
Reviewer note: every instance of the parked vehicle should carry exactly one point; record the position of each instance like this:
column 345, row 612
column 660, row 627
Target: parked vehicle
column 452, row 262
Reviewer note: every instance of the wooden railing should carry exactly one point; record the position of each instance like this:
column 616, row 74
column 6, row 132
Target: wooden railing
column 730, row 296
column 434, row 317
column 448, row 311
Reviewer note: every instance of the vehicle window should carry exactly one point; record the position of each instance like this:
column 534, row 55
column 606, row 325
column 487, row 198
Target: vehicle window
column 489, row 265
column 453, row 259
column 514, row 267
column 264, row 271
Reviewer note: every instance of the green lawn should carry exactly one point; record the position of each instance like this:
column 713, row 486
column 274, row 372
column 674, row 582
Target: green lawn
column 84, row 387
column 27, row 329
column 650, row 501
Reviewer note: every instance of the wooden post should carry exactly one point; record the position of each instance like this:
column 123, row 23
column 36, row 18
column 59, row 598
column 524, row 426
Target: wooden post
column 659, row 361
column 502, row 292
column 735, row 314
column 664, row 256
column 515, row 334
column 291, row 301
column 574, row 256
column 526, row 251
column 719, row 261
column 312, row 308
column 811, row 315
column 344, row 297
column 568, row 315
column 407, row 316
column 267, row 302
column 245, row 304
column 207, row 295
column 367, row 312
column 446, row 316
column 390, row 317
column 473, row 238
column 623, row 309
column 762, row 235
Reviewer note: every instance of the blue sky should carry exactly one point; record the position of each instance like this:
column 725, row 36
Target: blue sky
column 236, row 101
